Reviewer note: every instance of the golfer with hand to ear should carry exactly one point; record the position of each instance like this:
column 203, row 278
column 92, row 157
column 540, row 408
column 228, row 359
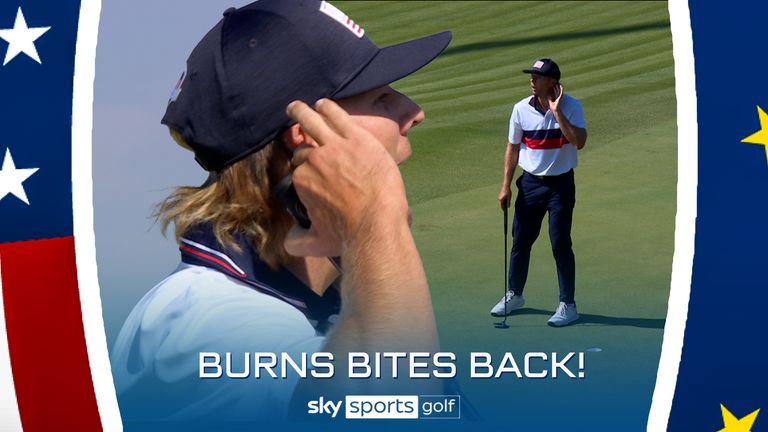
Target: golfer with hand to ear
column 546, row 130
column 251, row 279
column 354, row 194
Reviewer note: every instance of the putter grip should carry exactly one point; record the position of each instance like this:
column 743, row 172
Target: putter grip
column 286, row 193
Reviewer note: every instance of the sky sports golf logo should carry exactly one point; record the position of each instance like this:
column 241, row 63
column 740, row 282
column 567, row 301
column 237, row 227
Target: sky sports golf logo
column 389, row 407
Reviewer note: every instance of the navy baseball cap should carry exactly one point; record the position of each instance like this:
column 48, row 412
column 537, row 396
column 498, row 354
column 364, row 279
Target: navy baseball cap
column 231, row 99
column 544, row 67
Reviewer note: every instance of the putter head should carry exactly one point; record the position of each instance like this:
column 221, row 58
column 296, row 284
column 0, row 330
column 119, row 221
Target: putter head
column 501, row 324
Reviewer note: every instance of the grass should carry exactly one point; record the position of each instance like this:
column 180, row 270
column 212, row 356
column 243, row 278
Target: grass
column 617, row 58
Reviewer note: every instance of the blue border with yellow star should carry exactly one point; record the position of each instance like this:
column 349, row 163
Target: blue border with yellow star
column 722, row 378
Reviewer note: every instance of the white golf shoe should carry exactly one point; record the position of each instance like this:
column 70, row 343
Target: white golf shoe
column 513, row 302
column 564, row 315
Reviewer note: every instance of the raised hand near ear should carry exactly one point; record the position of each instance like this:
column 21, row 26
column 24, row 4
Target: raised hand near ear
column 554, row 104
column 344, row 182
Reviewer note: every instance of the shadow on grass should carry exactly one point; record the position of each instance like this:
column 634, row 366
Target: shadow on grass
column 600, row 319
column 555, row 37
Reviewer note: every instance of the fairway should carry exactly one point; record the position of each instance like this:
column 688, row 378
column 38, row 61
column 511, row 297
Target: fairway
column 616, row 57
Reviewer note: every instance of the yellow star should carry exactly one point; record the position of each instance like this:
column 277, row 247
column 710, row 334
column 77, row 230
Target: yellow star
column 760, row 137
column 732, row 424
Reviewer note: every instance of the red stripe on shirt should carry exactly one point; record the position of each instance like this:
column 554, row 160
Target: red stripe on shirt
column 213, row 259
column 544, row 144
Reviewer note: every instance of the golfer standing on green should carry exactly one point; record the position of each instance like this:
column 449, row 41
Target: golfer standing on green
column 545, row 131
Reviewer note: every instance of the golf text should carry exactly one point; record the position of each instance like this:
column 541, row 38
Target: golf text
column 388, row 407
column 360, row 365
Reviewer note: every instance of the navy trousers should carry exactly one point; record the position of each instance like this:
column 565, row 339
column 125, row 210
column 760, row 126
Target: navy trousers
column 536, row 196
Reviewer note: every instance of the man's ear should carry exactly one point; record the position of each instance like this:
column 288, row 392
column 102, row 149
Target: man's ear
column 294, row 136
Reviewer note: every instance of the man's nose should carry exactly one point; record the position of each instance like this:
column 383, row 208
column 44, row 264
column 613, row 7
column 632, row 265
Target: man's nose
column 419, row 117
column 413, row 114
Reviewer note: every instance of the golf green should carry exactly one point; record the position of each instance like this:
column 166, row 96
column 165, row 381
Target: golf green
column 616, row 57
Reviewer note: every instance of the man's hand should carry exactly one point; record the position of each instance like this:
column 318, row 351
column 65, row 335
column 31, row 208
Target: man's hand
column 511, row 156
column 345, row 182
column 355, row 197
column 576, row 135
column 556, row 98
column 504, row 197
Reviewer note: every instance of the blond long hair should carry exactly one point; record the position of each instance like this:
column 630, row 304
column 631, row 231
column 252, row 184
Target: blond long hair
column 236, row 200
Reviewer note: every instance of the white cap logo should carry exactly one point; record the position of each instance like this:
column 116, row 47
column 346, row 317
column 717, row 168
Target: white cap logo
column 339, row 16
column 177, row 88
column 538, row 64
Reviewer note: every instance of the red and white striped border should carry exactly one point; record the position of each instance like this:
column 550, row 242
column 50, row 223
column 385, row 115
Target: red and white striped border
column 9, row 408
column 82, row 203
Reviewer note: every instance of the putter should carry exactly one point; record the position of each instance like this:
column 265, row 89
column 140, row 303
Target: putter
column 503, row 324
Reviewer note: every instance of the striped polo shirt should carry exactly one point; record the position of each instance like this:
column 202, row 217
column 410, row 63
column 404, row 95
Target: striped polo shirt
column 544, row 150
